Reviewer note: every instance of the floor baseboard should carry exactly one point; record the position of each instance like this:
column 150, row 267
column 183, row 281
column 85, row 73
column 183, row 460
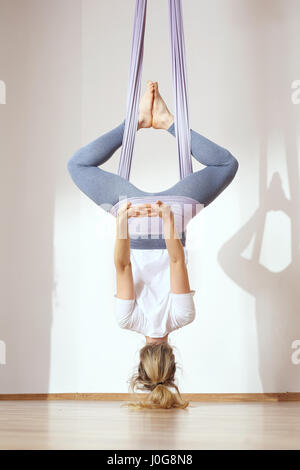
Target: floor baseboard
column 197, row 397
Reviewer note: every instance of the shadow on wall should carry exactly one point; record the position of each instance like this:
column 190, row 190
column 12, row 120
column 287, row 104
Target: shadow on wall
column 277, row 294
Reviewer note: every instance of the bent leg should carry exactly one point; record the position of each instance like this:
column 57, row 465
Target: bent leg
column 205, row 185
column 103, row 187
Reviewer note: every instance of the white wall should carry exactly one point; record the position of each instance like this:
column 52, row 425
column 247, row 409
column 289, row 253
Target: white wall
column 65, row 65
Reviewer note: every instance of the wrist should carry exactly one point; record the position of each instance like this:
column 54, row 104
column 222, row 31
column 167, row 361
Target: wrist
column 168, row 216
column 121, row 217
column 122, row 226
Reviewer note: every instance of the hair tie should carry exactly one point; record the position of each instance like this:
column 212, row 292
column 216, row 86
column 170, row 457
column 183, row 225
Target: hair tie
column 158, row 383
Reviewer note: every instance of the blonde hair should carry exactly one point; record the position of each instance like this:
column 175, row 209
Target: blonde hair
column 156, row 374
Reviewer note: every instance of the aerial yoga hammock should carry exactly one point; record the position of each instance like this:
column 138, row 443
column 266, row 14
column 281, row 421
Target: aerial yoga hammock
column 199, row 188
column 154, row 310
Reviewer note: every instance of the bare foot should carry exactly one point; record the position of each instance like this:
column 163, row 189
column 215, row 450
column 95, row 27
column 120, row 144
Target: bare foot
column 162, row 118
column 145, row 107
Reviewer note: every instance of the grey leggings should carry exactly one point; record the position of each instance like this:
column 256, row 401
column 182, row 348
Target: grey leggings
column 104, row 188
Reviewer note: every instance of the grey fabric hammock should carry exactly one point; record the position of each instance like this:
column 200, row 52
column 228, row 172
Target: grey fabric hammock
column 179, row 76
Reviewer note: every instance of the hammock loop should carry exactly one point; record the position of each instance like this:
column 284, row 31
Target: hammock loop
column 179, row 77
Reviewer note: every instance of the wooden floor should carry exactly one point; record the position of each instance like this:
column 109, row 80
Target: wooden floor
column 107, row 425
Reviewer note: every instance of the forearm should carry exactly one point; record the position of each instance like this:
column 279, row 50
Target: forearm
column 173, row 242
column 122, row 244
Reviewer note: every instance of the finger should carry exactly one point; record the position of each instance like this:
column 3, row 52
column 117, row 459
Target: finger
column 156, row 210
column 138, row 213
column 133, row 213
column 124, row 206
column 142, row 206
column 141, row 214
column 154, row 213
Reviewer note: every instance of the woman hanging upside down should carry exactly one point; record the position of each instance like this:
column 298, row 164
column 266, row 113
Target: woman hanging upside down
column 153, row 295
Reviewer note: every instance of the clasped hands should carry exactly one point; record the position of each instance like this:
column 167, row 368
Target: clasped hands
column 159, row 209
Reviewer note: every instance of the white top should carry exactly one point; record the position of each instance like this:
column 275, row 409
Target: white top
column 155, row 311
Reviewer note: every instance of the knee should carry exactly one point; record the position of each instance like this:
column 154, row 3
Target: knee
column 72, row 164
column 71, row 167
column 233, row 165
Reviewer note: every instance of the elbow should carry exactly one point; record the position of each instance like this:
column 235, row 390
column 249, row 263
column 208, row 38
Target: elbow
column 190, row 317
column 122, row 266
column 122, row 324
column 177, row 258
column 174, row 261
column 193, row 315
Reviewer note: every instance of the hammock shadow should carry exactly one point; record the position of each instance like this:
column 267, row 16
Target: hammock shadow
column 277, row 294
